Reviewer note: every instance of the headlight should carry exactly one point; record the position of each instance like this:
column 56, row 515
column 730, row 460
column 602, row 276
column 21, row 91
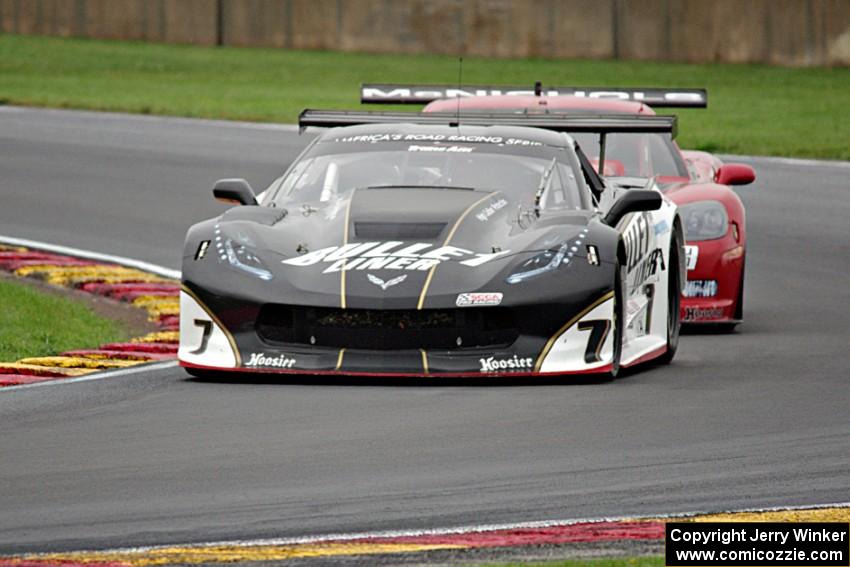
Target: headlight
column 704, row 220
column 241, row 258
column 540, row 264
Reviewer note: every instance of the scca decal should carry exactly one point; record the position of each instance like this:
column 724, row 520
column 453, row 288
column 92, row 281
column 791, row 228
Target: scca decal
column 479, row 298
column 392, row 255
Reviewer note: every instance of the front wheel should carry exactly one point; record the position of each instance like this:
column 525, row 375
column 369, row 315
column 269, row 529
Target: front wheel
column 674, row 301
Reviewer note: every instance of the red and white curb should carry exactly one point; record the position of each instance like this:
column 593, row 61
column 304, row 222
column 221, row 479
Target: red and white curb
column 515, row 535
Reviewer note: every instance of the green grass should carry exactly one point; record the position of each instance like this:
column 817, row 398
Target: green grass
column 647, row 561
column 33, row 323
column 754, row 109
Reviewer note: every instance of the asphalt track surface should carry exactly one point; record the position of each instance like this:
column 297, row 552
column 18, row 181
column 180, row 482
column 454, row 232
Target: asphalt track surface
column 757, row 418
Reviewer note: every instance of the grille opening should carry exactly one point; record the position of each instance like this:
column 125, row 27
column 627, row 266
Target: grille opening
column 391, row 329
column 391, row 230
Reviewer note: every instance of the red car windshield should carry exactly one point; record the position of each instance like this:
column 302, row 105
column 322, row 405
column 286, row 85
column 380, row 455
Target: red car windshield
column 626, row 155
column 635, row 155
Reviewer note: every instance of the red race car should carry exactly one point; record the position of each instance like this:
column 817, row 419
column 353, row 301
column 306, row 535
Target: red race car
column 698, row 182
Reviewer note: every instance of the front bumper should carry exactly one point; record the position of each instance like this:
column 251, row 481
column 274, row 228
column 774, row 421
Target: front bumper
column 720, row 264
column 225, row 338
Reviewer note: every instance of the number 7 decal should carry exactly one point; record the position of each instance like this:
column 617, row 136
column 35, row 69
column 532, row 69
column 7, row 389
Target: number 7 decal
column 207, row 327
column 598, row 333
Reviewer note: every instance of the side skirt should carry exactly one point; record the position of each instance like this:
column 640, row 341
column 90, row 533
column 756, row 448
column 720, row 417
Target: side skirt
column 642, row 350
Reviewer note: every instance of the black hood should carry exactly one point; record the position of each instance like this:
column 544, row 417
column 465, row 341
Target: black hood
column 396, row 247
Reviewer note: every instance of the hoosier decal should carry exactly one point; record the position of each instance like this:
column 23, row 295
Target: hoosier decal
column 280, row 361
column 514, row 364
column 392, row 255
column 702, row 313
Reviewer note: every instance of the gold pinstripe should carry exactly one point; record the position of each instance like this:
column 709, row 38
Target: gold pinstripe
column 342, row 301
column 567, row 325
column 218, row 322
column 451, row 234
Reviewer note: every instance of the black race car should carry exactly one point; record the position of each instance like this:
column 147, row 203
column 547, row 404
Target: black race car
column 410, row 244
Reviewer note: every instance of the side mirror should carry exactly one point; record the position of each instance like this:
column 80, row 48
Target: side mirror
column 234, row 192
column 735, row 174
column 633, row 201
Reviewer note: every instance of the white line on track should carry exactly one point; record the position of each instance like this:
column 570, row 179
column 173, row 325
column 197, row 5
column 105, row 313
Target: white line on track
column 89, row 255
column 144, row 367
column 339, row 537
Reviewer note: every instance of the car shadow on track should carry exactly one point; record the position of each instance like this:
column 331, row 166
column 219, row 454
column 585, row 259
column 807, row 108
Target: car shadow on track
column 710, row 329
column 396, row 382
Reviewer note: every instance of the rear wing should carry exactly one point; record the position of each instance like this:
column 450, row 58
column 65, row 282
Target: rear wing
column 601, row 124
column 386, row 93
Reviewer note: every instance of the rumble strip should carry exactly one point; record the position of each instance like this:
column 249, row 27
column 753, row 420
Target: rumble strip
column 563, row 532
column 118, row 280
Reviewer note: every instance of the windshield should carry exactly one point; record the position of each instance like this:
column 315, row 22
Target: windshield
column 635, row 155
column 335, row 167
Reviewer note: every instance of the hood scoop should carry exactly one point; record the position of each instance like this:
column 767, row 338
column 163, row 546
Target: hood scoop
column 408, row 214
column 398, row 230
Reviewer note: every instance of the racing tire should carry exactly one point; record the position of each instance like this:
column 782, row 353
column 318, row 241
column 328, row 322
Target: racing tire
column 674, row 303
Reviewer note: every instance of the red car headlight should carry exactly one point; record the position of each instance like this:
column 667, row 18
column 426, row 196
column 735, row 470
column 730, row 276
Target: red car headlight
column 704, row 220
